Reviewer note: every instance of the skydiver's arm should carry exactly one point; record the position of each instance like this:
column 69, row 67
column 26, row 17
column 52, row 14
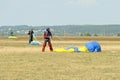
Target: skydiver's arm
column 45, row 36
column 29, row 33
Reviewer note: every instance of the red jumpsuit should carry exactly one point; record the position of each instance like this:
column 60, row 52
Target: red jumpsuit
column 47, row 39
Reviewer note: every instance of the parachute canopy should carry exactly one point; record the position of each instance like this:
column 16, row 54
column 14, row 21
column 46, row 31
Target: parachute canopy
column 93, row 46
column 35, row 43
column 12, row 37
column 89, row 47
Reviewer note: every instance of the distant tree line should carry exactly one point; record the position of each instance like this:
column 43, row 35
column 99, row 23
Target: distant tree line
column 64, row 30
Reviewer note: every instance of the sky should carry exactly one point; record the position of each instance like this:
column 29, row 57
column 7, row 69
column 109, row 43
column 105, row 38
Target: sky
column 59, row 12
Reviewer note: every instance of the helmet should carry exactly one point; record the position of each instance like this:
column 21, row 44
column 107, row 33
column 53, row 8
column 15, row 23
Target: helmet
column 48, row 29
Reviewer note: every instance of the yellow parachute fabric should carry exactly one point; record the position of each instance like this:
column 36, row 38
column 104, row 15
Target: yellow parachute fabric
column 83, row 49
column 72, row 49
column 12, row 37
column 63, row 50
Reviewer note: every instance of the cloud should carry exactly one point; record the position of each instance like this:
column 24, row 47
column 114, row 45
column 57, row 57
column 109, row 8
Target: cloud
column 84, row 3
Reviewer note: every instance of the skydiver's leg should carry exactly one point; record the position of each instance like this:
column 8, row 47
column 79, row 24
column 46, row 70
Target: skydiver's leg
column 44, row 45
column 31, row 39
column 50, row 45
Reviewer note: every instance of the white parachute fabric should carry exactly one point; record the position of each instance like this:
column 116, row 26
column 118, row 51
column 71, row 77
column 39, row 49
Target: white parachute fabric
column 35, row 43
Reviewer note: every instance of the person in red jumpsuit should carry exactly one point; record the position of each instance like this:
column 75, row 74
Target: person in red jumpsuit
column 47, row 39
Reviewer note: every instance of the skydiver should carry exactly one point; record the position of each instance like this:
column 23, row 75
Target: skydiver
column 47, row 39
column 30, row 33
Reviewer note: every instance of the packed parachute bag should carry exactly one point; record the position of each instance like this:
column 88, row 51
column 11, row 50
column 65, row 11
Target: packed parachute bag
column 35, row 42
column 11, row 35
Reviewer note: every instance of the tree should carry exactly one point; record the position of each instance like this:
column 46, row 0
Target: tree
column 88, row 34
column 81, row 34
column 95, row 35
column 118, row 34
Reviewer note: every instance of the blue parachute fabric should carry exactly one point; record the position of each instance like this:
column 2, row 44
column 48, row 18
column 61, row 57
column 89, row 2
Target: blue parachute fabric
column 93, row 46
column 75, row 48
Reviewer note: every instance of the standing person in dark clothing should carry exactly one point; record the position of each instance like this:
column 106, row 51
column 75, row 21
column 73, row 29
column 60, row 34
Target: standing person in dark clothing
column 30, row 33
column 47, row 39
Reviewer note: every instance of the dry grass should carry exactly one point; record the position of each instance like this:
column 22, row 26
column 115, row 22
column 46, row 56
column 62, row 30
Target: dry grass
column 20, row 61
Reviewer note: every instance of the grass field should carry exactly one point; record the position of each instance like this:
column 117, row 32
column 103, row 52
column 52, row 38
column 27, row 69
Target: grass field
column 20, row 61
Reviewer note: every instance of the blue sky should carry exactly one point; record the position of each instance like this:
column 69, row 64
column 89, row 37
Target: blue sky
column 59, row 12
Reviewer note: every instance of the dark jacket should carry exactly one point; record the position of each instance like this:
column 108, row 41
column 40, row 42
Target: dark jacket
column 47, row 35
column 31, row 33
